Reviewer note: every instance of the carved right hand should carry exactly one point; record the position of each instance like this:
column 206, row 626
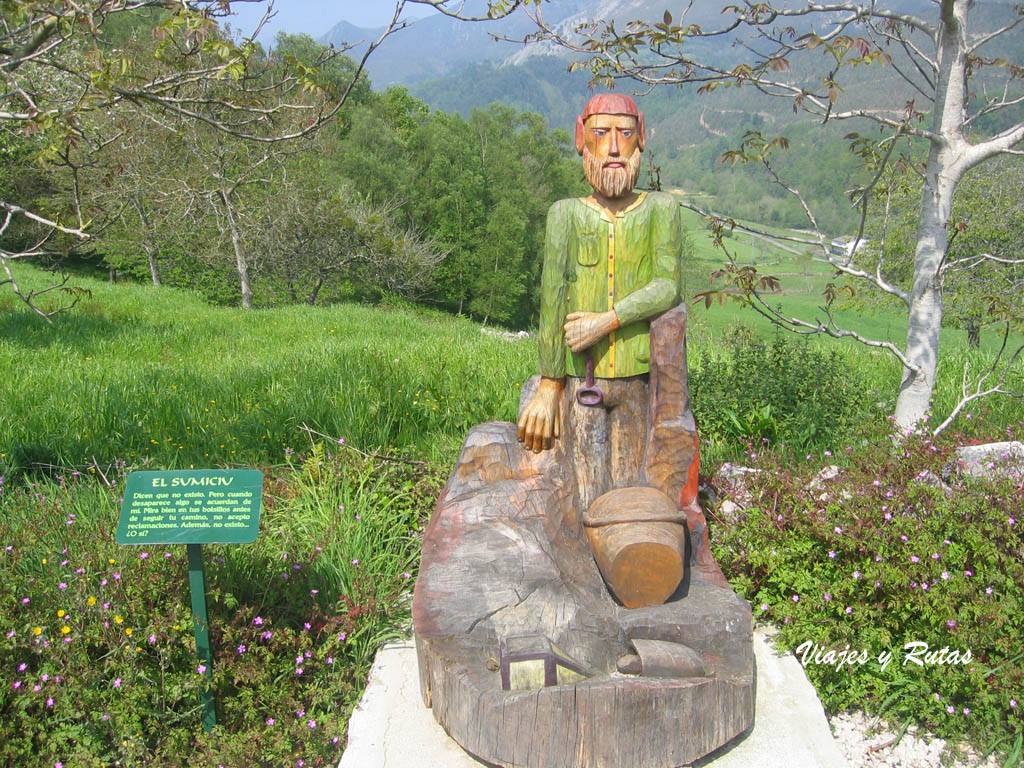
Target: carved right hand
column 584, row 329
column 542, row 417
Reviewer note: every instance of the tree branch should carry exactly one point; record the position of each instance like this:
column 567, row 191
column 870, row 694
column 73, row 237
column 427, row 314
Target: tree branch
column 830, row 328
column 970, row 262
column 994, row 106
column 1000, row 143
column 993, row 35
column 862, row 11
column 979, row 383
column 748, row 228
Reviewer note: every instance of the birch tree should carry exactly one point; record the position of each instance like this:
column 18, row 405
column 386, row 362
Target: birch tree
column 959, row 95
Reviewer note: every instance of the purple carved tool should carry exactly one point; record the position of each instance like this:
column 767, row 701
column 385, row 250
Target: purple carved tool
column 589, row 394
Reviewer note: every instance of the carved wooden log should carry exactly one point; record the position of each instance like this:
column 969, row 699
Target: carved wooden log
column 672, row 457
column 639, row 542
column 662, row 659
column 505, row 554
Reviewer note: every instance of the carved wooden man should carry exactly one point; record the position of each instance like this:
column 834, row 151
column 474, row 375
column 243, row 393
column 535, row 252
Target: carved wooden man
column 526, row 544
column 611, row 264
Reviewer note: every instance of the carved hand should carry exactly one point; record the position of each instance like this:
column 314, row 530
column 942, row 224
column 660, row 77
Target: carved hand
column 542, row 416
column 584, row 329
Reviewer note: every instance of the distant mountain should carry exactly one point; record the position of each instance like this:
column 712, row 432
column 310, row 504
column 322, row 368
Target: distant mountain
column 540, row 84
column 472, row 70
column 438, row 45
column 458, row 66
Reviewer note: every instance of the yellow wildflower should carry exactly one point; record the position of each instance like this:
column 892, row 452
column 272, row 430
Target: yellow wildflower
column 91, row 601
column 61, row 614
column 37, row 630
column 65, row 629
column 118, row 620
column 128, row 631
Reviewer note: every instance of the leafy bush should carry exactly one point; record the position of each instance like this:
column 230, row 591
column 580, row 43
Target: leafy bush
column 882, row 556
column 98, row 664
column 783, row 390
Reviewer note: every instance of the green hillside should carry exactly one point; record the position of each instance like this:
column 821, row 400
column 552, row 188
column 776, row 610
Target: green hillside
column 141, row 377
column 159, row 378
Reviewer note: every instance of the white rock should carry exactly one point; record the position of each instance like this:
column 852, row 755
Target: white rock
column 831, row 472
column 729, row 508
column 992, row 460
column 855, row 735
column 737, row 472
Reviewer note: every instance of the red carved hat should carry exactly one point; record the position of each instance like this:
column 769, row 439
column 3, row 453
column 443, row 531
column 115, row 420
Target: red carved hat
column 609, row 104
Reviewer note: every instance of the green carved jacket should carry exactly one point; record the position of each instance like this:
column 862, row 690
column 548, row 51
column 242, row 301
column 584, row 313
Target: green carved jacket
column 592, row 264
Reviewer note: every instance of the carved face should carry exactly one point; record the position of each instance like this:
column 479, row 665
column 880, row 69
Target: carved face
column 611, row 154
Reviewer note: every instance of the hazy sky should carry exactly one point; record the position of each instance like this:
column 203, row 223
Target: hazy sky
column 316, row 17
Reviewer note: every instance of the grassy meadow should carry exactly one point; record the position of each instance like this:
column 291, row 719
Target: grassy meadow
column 160, row 379
column 97, row 657
column 802, row 282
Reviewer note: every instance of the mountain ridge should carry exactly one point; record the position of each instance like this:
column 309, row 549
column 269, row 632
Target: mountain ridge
column 457, row 67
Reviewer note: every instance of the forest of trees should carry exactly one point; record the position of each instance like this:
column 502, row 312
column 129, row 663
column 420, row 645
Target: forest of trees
column 387, row 199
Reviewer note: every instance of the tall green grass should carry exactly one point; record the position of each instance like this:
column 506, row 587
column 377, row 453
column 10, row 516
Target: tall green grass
column 158, row 378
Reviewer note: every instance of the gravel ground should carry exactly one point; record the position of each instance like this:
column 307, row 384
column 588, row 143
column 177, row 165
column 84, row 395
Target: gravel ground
column 866, row 742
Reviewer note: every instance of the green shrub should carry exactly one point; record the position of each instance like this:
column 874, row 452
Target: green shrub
column 780, row 391
column 879, row 557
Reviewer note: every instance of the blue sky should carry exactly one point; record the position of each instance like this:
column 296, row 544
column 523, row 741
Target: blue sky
column 316, row 17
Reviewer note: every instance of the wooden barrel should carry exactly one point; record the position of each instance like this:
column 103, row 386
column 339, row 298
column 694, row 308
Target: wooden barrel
column 638, row 537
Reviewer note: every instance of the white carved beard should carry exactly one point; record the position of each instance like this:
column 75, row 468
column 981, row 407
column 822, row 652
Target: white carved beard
column 611, row 182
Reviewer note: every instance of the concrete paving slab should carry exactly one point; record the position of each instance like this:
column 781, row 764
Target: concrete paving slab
column 390, row 727
column 790, row 727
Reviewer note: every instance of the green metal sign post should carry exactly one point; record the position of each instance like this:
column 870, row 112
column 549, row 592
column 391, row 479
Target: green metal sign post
column 193, row 507
column 201, row 622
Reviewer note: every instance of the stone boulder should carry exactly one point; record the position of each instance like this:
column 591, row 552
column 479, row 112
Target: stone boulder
column 992, row 460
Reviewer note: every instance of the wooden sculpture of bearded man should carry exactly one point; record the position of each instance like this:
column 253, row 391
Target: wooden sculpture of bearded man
column 611, row 265
column 568, row 610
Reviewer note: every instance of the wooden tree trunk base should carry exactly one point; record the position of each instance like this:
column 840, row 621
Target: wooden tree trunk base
column 505, row 555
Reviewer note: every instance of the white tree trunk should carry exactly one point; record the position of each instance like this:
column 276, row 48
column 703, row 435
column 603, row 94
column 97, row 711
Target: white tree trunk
column 241, row 263
column 148, row 241
column 924, row 320
column 154, row 271
column 946, row 165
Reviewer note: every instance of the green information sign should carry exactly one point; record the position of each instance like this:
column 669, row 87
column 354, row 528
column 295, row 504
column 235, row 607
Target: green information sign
column 191, row 506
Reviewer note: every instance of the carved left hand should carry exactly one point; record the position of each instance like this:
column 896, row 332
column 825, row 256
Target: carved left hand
column 584, row 329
